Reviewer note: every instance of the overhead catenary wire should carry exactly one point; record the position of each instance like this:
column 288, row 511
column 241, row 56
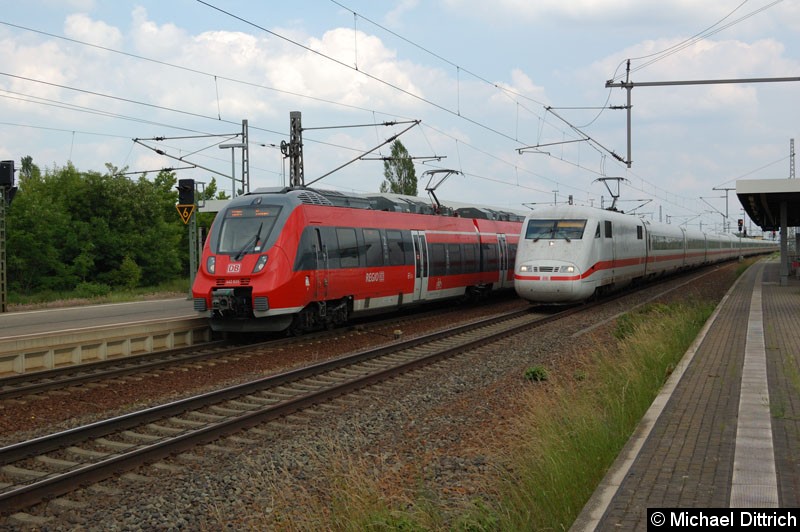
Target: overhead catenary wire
column 708, row 32
column 341, row 63
column 138, row 57
column 216, row 77
column 514, row 137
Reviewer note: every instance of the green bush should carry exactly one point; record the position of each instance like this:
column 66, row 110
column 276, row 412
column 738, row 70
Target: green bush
column 92, row 290
column 129, row 273
column 536, row 373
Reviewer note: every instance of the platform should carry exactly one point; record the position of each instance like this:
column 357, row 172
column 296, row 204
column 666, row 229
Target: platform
column 725, row 430
column 48, row 339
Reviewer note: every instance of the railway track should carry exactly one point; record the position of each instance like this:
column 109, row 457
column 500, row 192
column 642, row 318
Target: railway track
column 43, row 468
column 17, row 386
column 61, row 378
column 49, row 466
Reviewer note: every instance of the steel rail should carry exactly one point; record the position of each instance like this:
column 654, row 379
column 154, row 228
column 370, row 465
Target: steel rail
column 55, row 484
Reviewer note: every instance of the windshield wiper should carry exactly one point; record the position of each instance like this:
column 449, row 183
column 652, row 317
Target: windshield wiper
column 250, row 242
column 543, row 233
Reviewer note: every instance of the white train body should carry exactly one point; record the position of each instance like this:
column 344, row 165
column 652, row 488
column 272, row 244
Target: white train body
column 567, row 254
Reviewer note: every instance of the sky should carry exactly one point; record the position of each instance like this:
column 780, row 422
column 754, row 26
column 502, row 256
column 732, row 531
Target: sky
column 512, row 94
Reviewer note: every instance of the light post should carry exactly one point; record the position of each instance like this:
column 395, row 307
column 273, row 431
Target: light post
column 724, row 215
column 232, row 147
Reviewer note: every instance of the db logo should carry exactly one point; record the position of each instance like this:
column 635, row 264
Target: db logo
column 234, row 268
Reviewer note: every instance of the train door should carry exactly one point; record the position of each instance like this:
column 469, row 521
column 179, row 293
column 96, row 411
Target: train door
column 321, row 267
column 647, row 250
column 503, row 262
column 608, row 254
column 420, row 265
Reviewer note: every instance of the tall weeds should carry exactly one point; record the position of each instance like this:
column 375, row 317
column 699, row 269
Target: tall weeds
column 568, row 432
column 567, row 439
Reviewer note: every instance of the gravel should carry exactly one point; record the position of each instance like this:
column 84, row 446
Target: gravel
column 437, row 431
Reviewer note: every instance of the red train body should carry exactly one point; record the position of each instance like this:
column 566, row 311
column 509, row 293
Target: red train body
column 301, row 259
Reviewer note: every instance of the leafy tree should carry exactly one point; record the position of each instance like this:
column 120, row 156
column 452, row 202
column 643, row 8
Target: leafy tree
column 68, row 228
column 210, row 190
column 28, row 169
column 398, row 171
column 129, row 273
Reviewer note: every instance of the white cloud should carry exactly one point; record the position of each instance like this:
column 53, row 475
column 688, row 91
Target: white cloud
column 555, row 53
column 618, row 12
column 152, row 40
column 83, row 28
column 403, row 7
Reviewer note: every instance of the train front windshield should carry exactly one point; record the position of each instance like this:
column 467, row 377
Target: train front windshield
column 246, row 229
column 555, row 229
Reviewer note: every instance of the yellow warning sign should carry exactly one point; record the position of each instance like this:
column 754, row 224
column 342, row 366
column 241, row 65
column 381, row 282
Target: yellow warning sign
column 185, row 212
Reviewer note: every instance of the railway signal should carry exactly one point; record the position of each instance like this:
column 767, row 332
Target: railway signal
column 186, row 191
column 185, row 204
column 185, row 208
column 7, row 191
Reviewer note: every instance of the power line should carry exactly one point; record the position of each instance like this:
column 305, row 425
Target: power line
column 184, row 68
column 434, row 54
column 708, row 32
column 215, row 76
column 110, row 97
column 362, row 72
column 451, row 111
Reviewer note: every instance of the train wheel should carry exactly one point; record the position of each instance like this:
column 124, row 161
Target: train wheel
column 296, row 328
column 304, row 321
column 340, row 314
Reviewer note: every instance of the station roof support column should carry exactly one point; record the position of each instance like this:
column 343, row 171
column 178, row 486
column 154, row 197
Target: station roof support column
column 773, row 204
column 784, row 246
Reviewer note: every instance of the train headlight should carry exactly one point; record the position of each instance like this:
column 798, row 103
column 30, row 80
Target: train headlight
column 211, row 264
column 525, row 268
column 262, row 261
column 568, row 269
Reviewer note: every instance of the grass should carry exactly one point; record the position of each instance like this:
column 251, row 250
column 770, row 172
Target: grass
column 567, row 440
column 93, row 294
column 563, row 441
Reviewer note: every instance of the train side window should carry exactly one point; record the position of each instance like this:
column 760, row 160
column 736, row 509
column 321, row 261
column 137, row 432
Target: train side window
column 396, row 245
column 384, row 247
column 512, row 254
column 608, row 229
column 471, row 263
column 374, row 247
column 348, row 247
column 489, row 257
column 422, row 257
column 330, row 248
column 306, row 251
column 438, row 259
column 454, row 263
column 639, row 232
column 597, row 231
column 408, row 248
column 418, row 257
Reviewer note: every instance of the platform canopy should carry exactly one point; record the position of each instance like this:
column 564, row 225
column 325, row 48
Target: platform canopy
column 762, row 199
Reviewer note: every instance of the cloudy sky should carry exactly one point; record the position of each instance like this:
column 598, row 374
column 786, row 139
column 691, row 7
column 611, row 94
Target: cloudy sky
column 81, row 78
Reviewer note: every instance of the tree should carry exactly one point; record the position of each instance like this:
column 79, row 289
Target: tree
column 28, row 170
column 398, row 171
column 67, row 227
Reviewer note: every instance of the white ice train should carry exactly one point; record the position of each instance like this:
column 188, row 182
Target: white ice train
column 568, row 254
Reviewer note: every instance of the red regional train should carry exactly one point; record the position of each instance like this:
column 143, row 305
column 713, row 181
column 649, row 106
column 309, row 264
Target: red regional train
column 299, row 259
column 569, row 254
